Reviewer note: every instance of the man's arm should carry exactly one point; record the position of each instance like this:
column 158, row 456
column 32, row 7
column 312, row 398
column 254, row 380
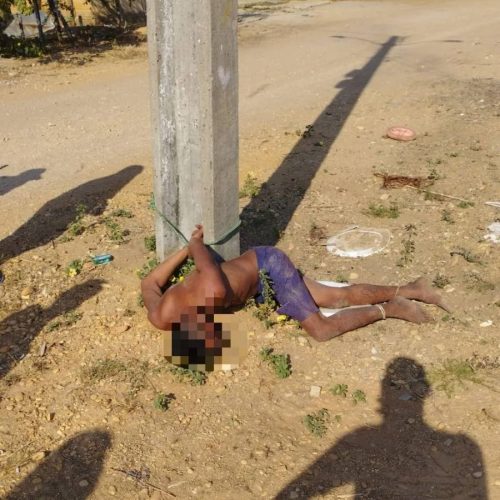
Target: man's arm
column 152, row 284
column 205, row 263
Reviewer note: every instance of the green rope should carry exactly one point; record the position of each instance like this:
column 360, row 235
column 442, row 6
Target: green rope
column 221, row 240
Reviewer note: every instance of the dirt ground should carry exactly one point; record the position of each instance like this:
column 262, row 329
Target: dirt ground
column 404, row 411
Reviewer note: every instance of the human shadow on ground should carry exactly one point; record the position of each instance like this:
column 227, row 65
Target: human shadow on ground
column 402, row 458
column 268, row 213
column 18, row 330
column 70, row 472
column 56, row 215
column 10, row 182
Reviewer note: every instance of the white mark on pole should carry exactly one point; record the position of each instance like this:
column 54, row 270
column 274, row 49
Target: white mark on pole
column 224, row 76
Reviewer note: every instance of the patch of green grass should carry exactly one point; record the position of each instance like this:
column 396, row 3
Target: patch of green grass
column 77, row 227
column 74, row 267
column 162, row 401
column 150, row 243
column 280, row 363
column 103, row 369
column 68, row 319
column 440, row 281
column 340, row 390
column 133, row 371
column 381, row 211
column 193, row 377
column 316, row 422
column 447, row 217
column 465, row 204
column 434, row 175
column 140, row 300
column 451, row 373
column 147, row 267
column 358, row 396
column 122, row 212
column 115, row 232
column 250, row 188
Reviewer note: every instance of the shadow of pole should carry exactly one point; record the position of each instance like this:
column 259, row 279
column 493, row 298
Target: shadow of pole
column 18, row 330
column 269, row 213
column 403, row 457
column 55, row 216
column 70, row 472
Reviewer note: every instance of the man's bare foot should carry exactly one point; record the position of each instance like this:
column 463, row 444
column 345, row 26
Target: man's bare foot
column 422, row 291
column 402, row 308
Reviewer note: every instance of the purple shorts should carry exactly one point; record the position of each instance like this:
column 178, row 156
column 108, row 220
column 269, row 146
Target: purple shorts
column 290, row 290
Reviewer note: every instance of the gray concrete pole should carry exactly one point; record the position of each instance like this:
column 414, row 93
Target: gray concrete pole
column 194, row 105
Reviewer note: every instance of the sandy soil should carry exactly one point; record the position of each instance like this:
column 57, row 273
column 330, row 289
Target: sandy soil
column 79, row 363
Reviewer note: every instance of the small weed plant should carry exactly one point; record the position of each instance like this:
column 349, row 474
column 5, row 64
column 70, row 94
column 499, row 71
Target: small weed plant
column 467, row 255
column 317, row 422
column 74, row 267
column 183, row 271
column 451, row 373
column 122, row 212
column 77, row 227
column 340, row 390
column 251, row 187
column 408, row 251
column 162, row 401
column 185, row 375
column 381, row 211
column 358, row 396
column 447, row 217
column 68, row 319
column 115, row 232
column 264, row 311
column 280, row 363
column 150, row 243
column 440, row 281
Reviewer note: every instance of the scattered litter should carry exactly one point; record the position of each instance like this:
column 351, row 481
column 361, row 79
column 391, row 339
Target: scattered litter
column 400, row 181
column 104, row 258
column 25, row 26
column 486, row 323
column 401, row 134
column 357, row 242
column 494, row 233
column 493, row 203
column 315, row 391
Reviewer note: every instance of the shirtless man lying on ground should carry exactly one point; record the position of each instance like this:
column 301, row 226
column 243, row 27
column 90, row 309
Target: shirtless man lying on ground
column 233, row 282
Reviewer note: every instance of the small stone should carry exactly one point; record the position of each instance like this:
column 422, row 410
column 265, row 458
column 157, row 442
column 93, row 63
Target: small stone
column 411, row 420
column 26, row 293
column 19, row 397
column 83, row 483
column 39, row 455
column 484, row 324
column 477, row 474
column 112, row 490
column 190, row 471
column 448, row 442
column 315, row 391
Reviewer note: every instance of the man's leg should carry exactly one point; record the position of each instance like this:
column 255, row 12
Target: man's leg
column 327, row 296
column 321, row 328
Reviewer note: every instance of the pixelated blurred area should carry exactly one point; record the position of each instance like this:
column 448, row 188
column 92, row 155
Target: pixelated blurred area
column 205, row 339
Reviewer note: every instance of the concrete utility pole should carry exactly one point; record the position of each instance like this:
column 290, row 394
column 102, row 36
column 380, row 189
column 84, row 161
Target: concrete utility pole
column 194, row 103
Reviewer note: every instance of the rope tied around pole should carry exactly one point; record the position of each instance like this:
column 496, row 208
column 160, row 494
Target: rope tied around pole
column 227, row 235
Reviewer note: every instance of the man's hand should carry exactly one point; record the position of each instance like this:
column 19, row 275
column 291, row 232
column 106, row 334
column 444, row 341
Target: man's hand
column 197, row 234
